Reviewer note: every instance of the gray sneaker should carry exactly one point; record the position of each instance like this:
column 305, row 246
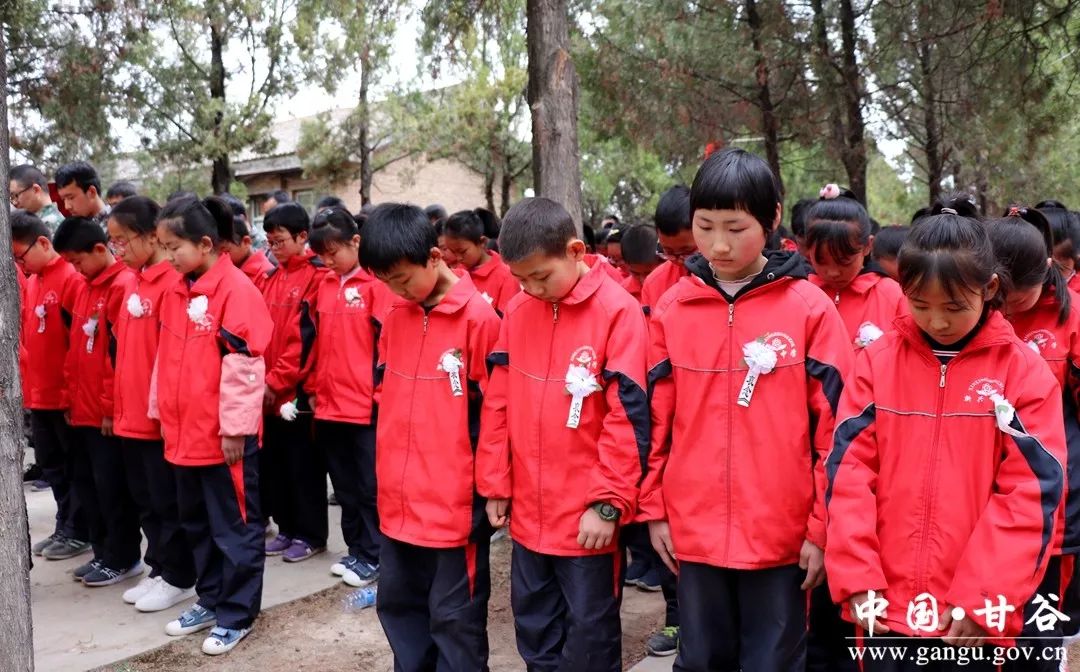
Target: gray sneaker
column 39, row 547
column 64, row 548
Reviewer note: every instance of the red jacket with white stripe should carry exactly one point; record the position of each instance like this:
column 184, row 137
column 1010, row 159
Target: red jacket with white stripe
column 210, row 371
column 137, row 329
column 349, row 317
column 52, row 294
column 90, row 364
column 257, row 267
column 550, row 471
column 743, row 486
column 495, row 282
column 659, row 281
column 871, row 299
column 1059, row 345
column 427, row 495
column 927, row 494
column 291, row 291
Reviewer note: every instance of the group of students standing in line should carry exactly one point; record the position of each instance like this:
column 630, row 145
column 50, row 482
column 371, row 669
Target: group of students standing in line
column 768, row 419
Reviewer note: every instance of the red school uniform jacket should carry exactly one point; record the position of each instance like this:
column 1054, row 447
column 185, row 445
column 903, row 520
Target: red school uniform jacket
column 551, row 457
column 603, row 264
column 46, row 322
column 633, row 287
column 1059, row 345
column 291, row 291
column 137, row 330
column 89, row 366
column 1074, row 282
column 659, row 281
column 495, row 282
column 210, row 371
column 927, row 494
column 257, row 267
column 743, row 486
column 349, row 317
column 872, row 299
column 425, row 441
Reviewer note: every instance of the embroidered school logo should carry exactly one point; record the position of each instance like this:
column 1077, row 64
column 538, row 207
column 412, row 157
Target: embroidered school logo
column 353, row 298
column 585, row 357
column 294, row 293
column 983, row 389
column 780, row 343
column 50, row 299
column 1042, row 340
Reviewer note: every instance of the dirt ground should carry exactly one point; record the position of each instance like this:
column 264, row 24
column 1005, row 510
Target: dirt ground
column 315, row 633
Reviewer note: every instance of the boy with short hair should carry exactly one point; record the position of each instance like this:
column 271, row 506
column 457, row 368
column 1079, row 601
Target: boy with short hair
column 677, row 242
column 98, row 473
column 292, row 467
column 254, row 263
column 434, row 582
column 565, row 429
column 51, row 291
column 640, row 257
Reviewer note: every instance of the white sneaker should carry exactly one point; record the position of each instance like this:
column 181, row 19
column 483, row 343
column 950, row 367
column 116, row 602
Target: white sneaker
column 223, row 640
column 162, row 596
column 132, row 595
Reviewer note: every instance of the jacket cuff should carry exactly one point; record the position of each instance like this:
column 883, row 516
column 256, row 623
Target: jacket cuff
column 242, row 385
column 651, row 507
column 815, row 532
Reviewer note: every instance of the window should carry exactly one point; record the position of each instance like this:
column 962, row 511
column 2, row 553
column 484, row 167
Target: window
column 307, row 199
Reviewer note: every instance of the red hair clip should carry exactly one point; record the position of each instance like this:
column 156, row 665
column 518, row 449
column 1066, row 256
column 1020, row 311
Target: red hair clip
column 1014, row 211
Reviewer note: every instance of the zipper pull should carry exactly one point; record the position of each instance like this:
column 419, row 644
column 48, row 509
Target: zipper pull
column 730, row 314
column 942, row 383
column 837, row 299
column 554, row 312
column 425, row 322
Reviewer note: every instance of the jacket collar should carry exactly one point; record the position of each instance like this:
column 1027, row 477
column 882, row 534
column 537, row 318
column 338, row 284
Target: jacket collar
column 295, row 262
column 779, row 265
column 153, row 273
column 484, row 270
column 456, row 299
column 53, row 266
column 208, row 283
column 995, row 331
column 108, row 275
column 586, row 286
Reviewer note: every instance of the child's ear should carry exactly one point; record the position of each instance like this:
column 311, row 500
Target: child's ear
column 575, row 249
column 435, row 255
column 246, row 241
column 44, row 242
column 484, row 242
column 302, row 237
column 100, row 248
column 355, row 240
column 869, row 247
column 993, row 286
column 206, row 244
column 778, row 217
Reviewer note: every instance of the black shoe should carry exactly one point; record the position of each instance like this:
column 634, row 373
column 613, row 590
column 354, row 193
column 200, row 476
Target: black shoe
column 107, row 576
column 664, row 643
column 88, row 568
column 33, row 473
column 649, row 581
column 64, row 548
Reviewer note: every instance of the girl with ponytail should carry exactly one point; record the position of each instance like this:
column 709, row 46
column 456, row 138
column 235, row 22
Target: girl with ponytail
column 467, row 234
column 207, row 392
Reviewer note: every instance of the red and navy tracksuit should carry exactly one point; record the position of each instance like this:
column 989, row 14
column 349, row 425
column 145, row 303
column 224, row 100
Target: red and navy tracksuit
column 1058, row 341
column 872, row 299
column 741, row 491
column 258, row 268
column 150, row 478
column 928, row 494
column 434, row 579
column 350, row 311
column 566, row 598
column 98, row 473
column 495, row 282
column 52, row 293
column 660, row 281
column 292, row 467
column 209, row 384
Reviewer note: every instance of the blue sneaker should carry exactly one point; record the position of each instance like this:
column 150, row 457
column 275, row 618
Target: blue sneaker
column 223, row 640
column 361, row 574
column 634, row 572
column 194, row 619
column 339, row 567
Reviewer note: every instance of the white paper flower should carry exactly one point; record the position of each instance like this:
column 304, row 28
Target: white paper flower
column 196, row 309
column 868, row 333
column 580, row 383
column 830, row 191
column 487, row 297
column 451, row 361
column 759, row 357
column 40, row 311
column 90, row 326
column 352, row 295
column 134, row 305
column 1004, row 414
column 288, row 411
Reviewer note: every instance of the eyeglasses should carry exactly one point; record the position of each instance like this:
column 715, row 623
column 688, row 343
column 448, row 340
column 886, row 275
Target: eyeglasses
column 14, row 197
column 275, row 244
column 117, row 246
column 19, row 258
column 676, row 256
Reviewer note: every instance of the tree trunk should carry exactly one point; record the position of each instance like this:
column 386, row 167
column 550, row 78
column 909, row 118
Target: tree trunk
column 507, row 185
column 366, row 171
column 855, row 147
column 770, row 125
column 489, row 189
column 553, row 100
column 16, row 625
column 222, row 171
column 932, row 145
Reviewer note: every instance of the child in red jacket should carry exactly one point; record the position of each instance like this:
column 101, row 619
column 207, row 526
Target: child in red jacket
column 351, row 306
column 51, row 291
column 734, row 497
column 838, row 244
column 565, row 427
column 467, row 233
column 254, row 263
column 676, row 241
column 292, row 468
column 98, row 474
column 132, row 227
column 1045, row 315
column 208, row 395
column 434, row 581
column 946, row 472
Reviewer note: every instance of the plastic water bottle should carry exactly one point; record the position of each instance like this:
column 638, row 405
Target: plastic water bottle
column 361, row 599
